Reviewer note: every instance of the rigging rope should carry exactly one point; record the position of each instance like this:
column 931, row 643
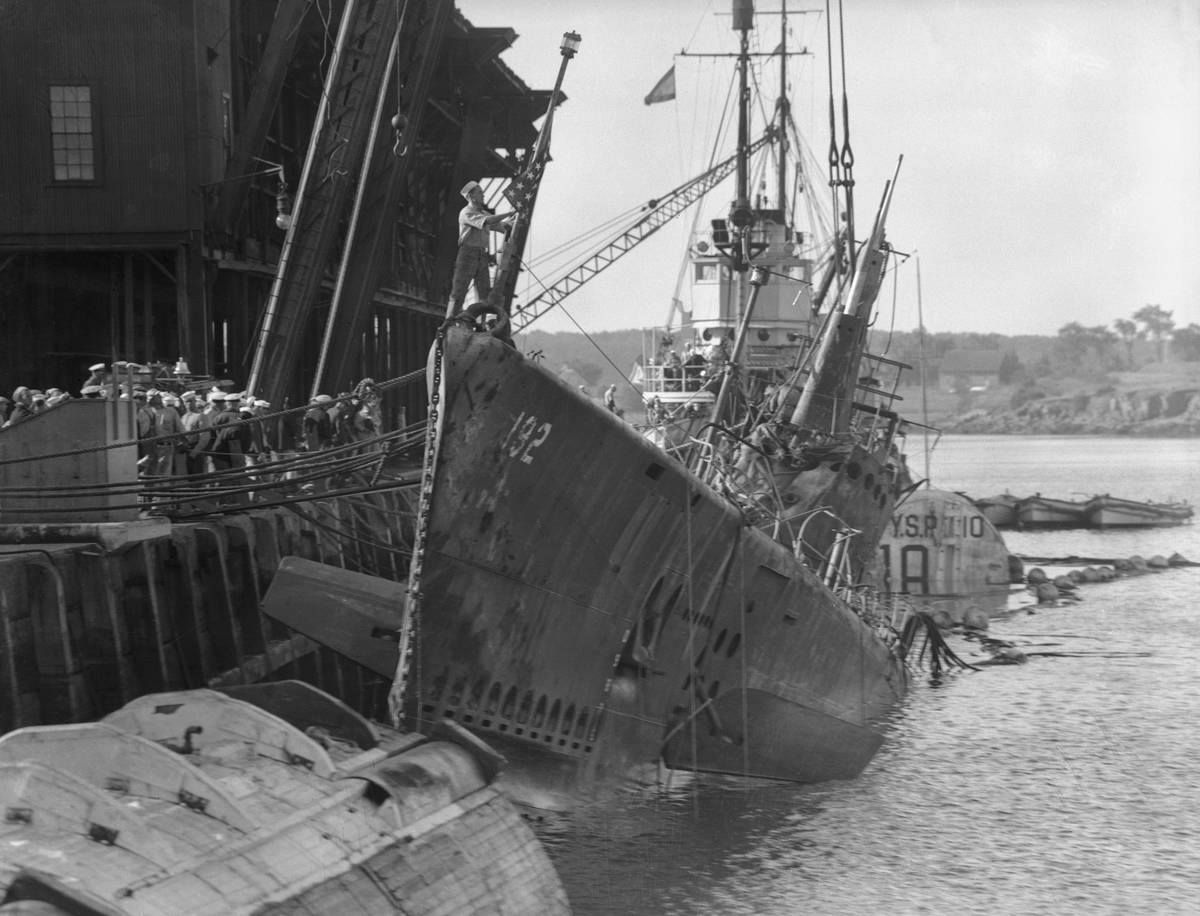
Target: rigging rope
column 322, row 459
column 399, row 121
column 847, row 153
column 405, row 379
column 603, row 228
column 343, row 535
column 589, row 337
column 833, row 160
column 887, row 348
column 745, row 654
column 722, row 126
column 693, row 668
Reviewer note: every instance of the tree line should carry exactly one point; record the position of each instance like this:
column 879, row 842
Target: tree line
column 1147, row 335
column 1076, row 350
column 1151, row 323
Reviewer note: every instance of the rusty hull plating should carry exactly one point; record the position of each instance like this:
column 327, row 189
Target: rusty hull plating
column 587, row 597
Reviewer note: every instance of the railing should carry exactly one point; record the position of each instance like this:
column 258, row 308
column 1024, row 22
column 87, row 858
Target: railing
column 660, row 378
column 834, row 569
column 886, row 613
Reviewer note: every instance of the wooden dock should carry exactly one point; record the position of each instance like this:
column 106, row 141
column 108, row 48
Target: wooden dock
column 94, row 615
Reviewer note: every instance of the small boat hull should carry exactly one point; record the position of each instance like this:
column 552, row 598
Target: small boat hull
column 1000, row 510
column 1043, row 512
column 1111, row 512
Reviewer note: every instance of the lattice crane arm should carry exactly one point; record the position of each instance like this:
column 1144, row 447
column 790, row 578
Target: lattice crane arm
column 661, row 211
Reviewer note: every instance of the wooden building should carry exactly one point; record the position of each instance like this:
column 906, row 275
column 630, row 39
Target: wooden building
column 970, row 370
column 142, row 147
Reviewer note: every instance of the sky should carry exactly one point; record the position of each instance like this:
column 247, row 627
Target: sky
column 1051, row 148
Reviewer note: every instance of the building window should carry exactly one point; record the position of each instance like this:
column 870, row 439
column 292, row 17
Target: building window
column 706, row 273
column 72, row 133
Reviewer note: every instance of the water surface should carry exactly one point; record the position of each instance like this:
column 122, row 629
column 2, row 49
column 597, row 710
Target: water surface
column 1067, row 785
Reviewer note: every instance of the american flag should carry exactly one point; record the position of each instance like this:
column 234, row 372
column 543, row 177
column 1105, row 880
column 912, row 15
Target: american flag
column 522, row 188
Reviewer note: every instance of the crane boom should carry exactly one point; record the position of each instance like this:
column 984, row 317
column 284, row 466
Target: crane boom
column 660, row 211
column 325, row 194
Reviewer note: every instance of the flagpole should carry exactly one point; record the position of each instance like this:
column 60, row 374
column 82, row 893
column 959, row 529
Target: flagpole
column 522, row 191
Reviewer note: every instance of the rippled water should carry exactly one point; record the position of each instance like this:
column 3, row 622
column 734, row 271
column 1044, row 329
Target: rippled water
column 1070, row 784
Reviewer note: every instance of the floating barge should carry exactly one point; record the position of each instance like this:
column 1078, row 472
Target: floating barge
column 1101, row 511
column 1110, row 512
column 1039, row 511
column 1000, row 510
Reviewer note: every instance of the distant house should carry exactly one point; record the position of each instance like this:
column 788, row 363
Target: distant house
column 970, row 370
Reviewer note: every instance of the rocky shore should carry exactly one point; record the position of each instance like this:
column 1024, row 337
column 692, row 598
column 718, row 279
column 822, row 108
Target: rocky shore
column 1146, row 412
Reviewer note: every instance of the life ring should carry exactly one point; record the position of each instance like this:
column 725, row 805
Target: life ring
column 474, row 313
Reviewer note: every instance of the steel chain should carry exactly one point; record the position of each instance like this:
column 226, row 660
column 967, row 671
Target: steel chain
column 411, row 624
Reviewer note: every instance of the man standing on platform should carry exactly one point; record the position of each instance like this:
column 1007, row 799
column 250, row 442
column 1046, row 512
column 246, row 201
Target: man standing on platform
column 471, row 265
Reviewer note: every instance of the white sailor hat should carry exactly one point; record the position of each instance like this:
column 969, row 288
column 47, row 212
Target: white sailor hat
column 469, row 187
column 98, row 367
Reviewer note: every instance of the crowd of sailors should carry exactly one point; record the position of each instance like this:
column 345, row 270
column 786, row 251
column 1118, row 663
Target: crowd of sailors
column 203, row 431
column 698, row 368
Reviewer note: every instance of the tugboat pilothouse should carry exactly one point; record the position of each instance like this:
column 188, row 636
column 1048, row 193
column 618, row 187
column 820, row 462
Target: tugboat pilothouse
column 684, row 365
